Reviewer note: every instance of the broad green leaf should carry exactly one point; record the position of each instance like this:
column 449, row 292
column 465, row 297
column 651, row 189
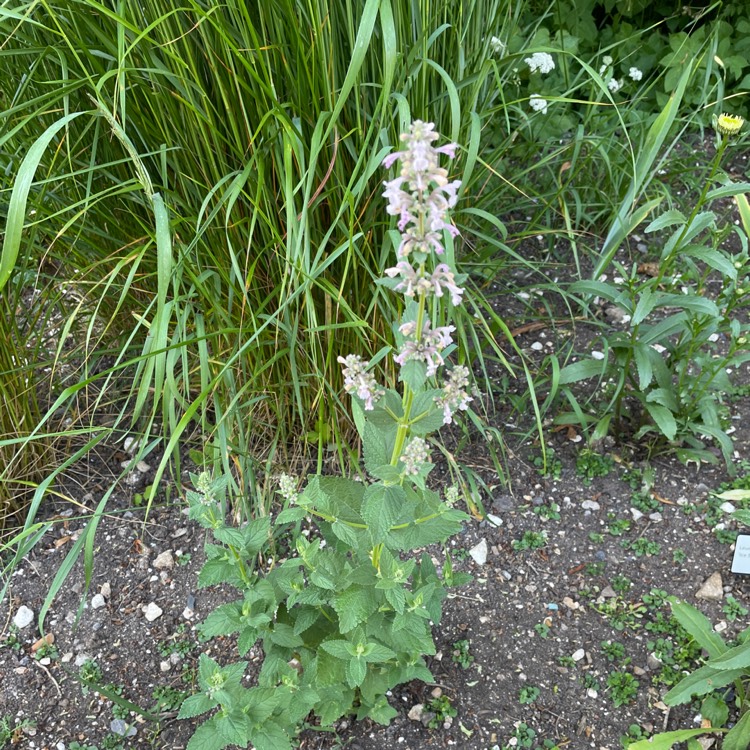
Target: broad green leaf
column 374, row 652
column 284, row 635
column 577, row 371
column 207, row 737
column 743, row 516
column 646, row 304
column 667, row 219
column 262, row 702
column 270, row 736
column 715, row 710
column 713, row 258
column 338, row 648
column 375, row 451
column 353, row 606
column 386, row 473
column 381, row 507
column 194, row 705
column 229, row 536
column 291, row 515
column 734, row 658
column 255, row 534
column 306, row 617
column 735, row 495
column 234, row 727
column 738, row 737
column 345, row 533
column 702, row 681
column 667, row 740
column 356, row 669
column 224, row 620
column 414, row 374
column 744, row 208
column 642, row 355
column 698, row 626
column 382, row 712
column 664, row 419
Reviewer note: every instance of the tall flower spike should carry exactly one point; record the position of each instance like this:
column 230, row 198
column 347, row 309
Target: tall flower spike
column 421, row 195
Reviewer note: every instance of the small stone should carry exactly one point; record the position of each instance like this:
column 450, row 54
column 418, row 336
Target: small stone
column 727, row 507
column 415, row 712
column 448, row 722
column 653, row 662
column 479, row 552
column 130, row 444
column 152, row 611
column 655, row 517
column 639, row 671
column 712, row 588
column 494, row 520
column 721, row 626
column 21, row 670
column 97, row 601
column 165, row 666
column 118, row 726
column 637, row 515
column 143, row 467
column 578, row 655
column 133, row 479
column 106, row 590
column 81, row 659
column 503, row 503
column 66, row 657
column 570, row 604
column 590, row 505
column 164, row 561
column 436, row 692
column 188, row 613
column 24, row 617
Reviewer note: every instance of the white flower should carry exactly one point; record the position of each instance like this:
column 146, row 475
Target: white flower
column 607, row 60
column 541, row 61
column 358, row 380
column 635, row 73
column 415, row 455
column 614, row 85
column 498, row 46
column 288, row 488
column 454, row 396
column 538, row 103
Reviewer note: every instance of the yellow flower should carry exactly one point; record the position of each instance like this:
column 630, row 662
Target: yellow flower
column 729, row 124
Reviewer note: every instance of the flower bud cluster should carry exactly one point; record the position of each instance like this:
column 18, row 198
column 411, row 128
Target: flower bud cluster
column 421, row 195
column 288, row 488
column 359, row 381
column 454, row 398
column 425, row 347
column 415, row 455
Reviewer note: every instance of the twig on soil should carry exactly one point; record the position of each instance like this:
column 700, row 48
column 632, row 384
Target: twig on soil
column 476, row 598
column 49, row 674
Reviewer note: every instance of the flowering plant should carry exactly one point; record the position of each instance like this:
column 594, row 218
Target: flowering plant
column 347, row 617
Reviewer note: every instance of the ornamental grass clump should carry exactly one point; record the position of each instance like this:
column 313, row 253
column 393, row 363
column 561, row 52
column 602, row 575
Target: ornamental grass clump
column 349, row 614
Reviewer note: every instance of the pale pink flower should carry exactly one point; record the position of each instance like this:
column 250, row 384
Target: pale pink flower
column 454, row 397
column 426, row 347
column 358, row 381
column 415, row 455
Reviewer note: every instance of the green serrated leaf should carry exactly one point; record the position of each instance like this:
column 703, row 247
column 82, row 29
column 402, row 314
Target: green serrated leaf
column 699, row 626
column 194, row 705
column 270, row 736
column 702, row 681
column 734, row 658
column 223, row 620
column 291, row 515
column 667, row 740
column 386, row 473
column 338, row 648
column 255, row 535
column 414, row 374
column 207, row 737
column 381, row 507
column 667, row 219
column 353, row 606
column 356, row 669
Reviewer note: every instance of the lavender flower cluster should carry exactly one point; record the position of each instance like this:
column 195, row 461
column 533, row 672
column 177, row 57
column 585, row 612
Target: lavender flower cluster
column 421, row 196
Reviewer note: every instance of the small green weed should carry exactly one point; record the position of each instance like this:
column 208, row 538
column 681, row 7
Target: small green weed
column 655, row 598
column 461, row 653
column 596, row 537
column 621, row 584
column 529, row 541
column 678, row 556
column 13, row 640
column 79, row 746
column 733, row 610
column 595, row 569
column 642, row 547
column 524, row 735
column 528, row 694
column 543, row 630
column 547, row 511
column 617, row 526
column 590, row 464
column 168, row 698
column 442, row 707
column 623, row 687
column 566, row 661
column 634, row 734
column 613, row 650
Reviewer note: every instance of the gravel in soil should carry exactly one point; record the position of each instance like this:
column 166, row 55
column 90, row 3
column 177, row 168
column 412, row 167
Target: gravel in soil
column 568, row 564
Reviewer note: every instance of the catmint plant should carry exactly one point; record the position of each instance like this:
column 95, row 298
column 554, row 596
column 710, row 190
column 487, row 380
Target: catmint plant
column 349, row 613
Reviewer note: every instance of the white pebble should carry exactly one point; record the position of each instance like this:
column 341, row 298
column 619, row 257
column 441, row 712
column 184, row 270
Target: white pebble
column 578, row 655
column 24, row 617
column 97, row 601
column 152, row 611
